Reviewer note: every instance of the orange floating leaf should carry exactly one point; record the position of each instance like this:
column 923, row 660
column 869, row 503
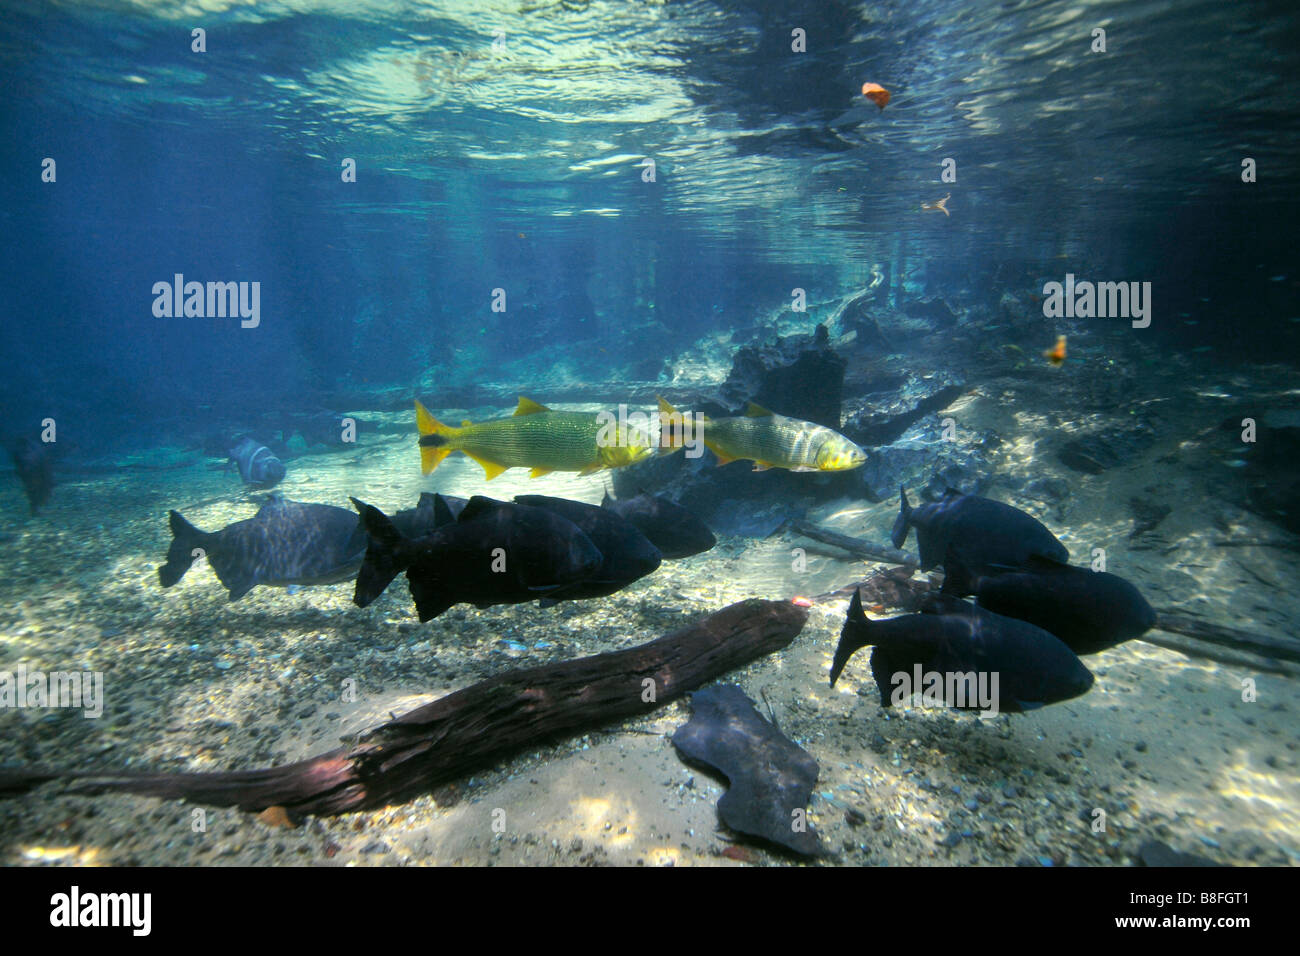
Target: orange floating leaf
column 876, row 93
column 1056, row 354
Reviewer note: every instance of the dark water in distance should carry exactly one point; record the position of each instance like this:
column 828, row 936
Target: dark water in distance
column 499, row 145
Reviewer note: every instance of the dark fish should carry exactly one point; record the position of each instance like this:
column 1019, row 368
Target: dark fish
column 983, row 533
column 970, row 652
column 1088, row 610
column 495, row 553
column 671, row 528
column 626, row 554
column 257, row 465
column 770, row 778
column 286, row 542
column 34, row 463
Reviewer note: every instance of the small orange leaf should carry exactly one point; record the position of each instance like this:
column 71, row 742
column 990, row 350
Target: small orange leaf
column 277, row 816
column 876, row 93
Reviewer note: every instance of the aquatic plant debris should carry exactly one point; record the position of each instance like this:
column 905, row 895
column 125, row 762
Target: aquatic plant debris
column 770, row 778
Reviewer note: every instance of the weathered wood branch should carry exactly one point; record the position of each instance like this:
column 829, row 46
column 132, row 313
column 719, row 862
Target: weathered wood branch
column 1231, row 637
column 1215, row 652
column 478, row 725
column 863, row 549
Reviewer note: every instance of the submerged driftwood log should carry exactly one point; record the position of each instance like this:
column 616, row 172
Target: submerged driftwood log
column 863, row 549
column 1191, row 647
column 474, row 727
column 1233, row 637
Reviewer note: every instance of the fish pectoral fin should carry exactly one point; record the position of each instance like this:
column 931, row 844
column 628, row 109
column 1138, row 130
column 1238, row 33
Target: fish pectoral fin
column 429, row 599
column 539, row 471
column 490, row 468
column 529, row 407
column 755, row 410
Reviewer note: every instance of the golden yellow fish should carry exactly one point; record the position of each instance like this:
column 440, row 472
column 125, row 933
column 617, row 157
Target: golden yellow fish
column 534, row 437
column 770, row 440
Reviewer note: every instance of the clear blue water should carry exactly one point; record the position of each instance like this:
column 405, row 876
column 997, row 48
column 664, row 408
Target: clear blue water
column 517, row 166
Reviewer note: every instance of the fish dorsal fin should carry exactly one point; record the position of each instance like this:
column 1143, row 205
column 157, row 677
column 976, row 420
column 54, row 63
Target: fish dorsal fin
column 427, row 499
column 606, row 501
column 855, row 608
column 274, row 501
column 529, row 407
column 442, row 515
column 478, row 506
column 951, row 492
column 755, row 410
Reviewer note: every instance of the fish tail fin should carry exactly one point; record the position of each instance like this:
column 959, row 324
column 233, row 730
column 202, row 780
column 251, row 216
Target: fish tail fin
column 855, row 635
column 186, row 539
column 904, row 519
column 670, row 420
column 384, row 558
column 675, row 426
column 434, row 438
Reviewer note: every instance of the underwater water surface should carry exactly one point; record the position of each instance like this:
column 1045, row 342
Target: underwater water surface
column 1037, row 254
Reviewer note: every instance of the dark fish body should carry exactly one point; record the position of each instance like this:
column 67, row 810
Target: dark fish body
column 1032, row 668
column 671, row 528
column 626, row 554
column 458, row 563
column 432, row 512
column 286, row 542
column 257, row 465
column 34, row 463
column 982, row 533
column 1088, row 610
column 770, row 778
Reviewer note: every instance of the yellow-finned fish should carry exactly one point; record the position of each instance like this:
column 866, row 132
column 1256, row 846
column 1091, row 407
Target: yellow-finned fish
column 534, row 437
column 770, row 440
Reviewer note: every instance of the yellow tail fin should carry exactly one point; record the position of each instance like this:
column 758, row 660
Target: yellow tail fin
column 671, row 427
column 432, row 454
